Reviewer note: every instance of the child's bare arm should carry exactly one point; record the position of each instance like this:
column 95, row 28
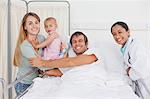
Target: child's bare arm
column 34, row 44
column 48, row 40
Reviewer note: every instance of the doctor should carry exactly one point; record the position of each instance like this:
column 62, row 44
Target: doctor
column 136, row 58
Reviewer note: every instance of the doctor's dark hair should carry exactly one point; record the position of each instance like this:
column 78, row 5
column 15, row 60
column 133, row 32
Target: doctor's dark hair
column 122, row 24
column 77, row 34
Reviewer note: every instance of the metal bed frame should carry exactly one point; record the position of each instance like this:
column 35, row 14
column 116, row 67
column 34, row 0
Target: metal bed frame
column 7, row 88
column 2, row 81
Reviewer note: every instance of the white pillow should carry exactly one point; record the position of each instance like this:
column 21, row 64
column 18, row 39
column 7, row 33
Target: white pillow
column 111, row 55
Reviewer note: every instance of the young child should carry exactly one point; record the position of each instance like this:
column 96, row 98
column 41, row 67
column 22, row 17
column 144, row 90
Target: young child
column 52, row 47
column 136, row 58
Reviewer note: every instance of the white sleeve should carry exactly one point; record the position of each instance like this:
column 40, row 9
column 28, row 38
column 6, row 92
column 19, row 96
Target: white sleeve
column 140, row 61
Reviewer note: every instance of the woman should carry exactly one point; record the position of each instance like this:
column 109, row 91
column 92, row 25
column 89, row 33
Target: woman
column 136, row 57
column 29, row 31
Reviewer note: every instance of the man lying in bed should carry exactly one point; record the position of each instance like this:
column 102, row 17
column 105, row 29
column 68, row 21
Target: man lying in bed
column 79, row 43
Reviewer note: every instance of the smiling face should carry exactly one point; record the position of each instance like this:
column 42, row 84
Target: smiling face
column 50, row 25
column 32, row 25
column 120, row 34
column 78, row 44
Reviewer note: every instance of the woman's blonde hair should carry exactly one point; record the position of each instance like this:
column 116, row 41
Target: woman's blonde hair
column 22, row 36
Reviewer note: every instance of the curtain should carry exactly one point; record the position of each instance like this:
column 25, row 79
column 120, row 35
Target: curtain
column 3, row 42
column 18, row 10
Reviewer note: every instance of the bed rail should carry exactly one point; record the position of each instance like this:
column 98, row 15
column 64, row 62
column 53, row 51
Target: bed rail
column 6, row 87
column 3, row 87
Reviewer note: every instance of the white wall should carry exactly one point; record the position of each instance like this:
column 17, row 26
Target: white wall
column 149, row 22
column 96, row 17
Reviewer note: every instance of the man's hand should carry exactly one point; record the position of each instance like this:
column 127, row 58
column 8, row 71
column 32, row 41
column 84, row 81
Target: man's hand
column 36, row 61
column 53, row 72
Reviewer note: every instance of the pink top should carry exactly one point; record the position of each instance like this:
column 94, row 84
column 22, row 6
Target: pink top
column 52, row 51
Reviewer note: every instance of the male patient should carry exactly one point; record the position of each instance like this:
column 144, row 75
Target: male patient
column 79, row 43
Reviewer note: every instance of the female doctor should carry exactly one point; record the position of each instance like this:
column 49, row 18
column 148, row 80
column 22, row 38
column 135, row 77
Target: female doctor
column 136, row 59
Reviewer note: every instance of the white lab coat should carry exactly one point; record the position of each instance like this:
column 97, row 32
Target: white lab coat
column 138, row 58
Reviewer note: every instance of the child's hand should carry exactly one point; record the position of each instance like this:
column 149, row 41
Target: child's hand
column 55, row 35
column 62, row 46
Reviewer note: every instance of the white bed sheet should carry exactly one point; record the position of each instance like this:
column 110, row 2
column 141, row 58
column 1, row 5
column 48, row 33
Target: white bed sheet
column 55, row 88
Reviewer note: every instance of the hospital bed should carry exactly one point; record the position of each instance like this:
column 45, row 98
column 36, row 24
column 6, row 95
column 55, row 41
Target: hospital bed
column 3, row 87
column 117, row 87
column 6, row 87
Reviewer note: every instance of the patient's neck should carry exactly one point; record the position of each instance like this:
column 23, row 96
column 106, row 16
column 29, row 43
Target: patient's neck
column 78, row 54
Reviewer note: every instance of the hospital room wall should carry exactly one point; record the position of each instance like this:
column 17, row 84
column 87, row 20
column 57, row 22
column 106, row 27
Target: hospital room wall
column 96, row 18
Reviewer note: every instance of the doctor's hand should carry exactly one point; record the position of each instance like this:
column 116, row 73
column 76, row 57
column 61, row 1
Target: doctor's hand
column 36, row 61
column 127, row 70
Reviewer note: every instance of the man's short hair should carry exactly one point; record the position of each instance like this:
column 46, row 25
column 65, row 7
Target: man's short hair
column 77, row 34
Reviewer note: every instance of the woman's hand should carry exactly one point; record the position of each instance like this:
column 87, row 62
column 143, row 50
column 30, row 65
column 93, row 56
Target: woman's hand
column 41, row 72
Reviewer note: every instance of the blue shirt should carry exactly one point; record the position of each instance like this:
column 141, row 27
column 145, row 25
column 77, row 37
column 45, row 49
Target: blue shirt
column 27, row 52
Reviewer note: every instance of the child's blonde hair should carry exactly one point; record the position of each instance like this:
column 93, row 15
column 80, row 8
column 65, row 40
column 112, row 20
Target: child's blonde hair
column 50, row 18
column 22, row 36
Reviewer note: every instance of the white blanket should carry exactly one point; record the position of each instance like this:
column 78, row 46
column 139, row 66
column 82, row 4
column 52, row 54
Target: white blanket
column 55, row 88
column 83, row 82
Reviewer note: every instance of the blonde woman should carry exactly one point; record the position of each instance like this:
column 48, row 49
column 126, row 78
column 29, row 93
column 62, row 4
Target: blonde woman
column 29, row 31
